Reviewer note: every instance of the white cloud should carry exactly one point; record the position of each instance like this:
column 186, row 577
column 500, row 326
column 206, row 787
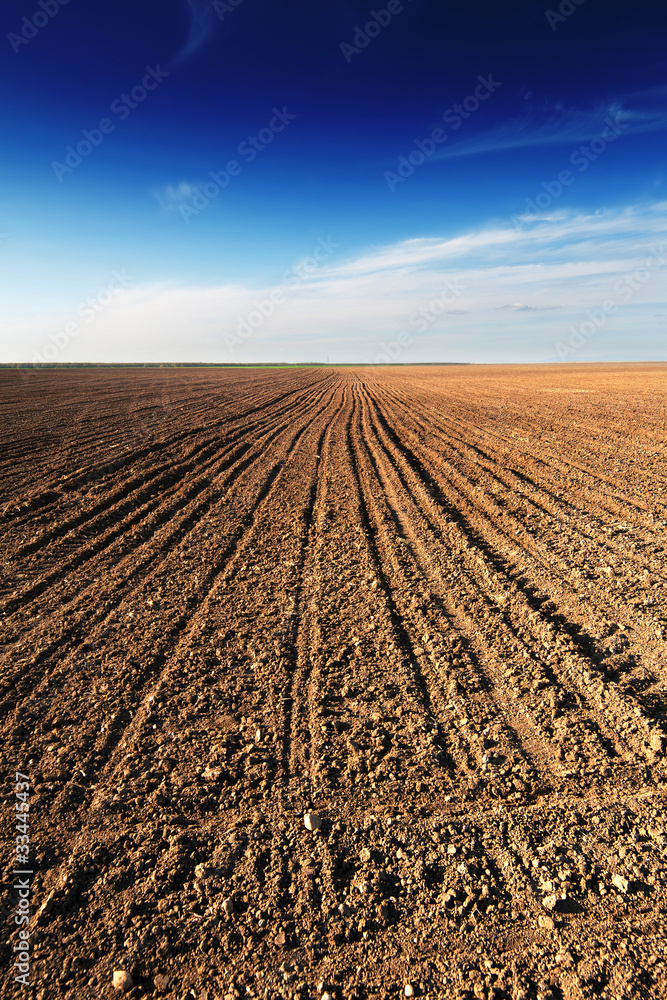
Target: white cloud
column 517, row 290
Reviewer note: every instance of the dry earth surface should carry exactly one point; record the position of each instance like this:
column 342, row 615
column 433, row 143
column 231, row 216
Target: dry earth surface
column 428, row 605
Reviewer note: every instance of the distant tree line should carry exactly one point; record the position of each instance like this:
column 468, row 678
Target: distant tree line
column 161, row 364
column 213, row 364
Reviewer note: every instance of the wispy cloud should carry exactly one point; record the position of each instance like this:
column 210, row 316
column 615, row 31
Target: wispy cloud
column 590, row 241
column 173, row 195
column 519, row 307
column 202, row 23
column 559, row 125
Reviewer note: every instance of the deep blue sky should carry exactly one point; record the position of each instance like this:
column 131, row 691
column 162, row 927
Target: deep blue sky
column 129, row 205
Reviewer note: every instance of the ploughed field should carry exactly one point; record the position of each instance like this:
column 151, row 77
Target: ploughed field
column 427, row 605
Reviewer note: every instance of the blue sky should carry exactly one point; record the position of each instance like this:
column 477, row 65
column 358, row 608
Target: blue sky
column 248, row 181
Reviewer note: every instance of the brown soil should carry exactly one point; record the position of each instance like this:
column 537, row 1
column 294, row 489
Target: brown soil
column 429, row 604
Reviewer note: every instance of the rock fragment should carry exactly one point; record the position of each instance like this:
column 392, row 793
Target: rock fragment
column 549, row 902
column 621, row 883
column 212, row 774
column 228, row 906
column 312, row 822
column 657, row 742
column 122, row 980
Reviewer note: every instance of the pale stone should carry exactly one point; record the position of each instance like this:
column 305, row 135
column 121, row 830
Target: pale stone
column 312, row 821
column 620, row 883
column 122, row 980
